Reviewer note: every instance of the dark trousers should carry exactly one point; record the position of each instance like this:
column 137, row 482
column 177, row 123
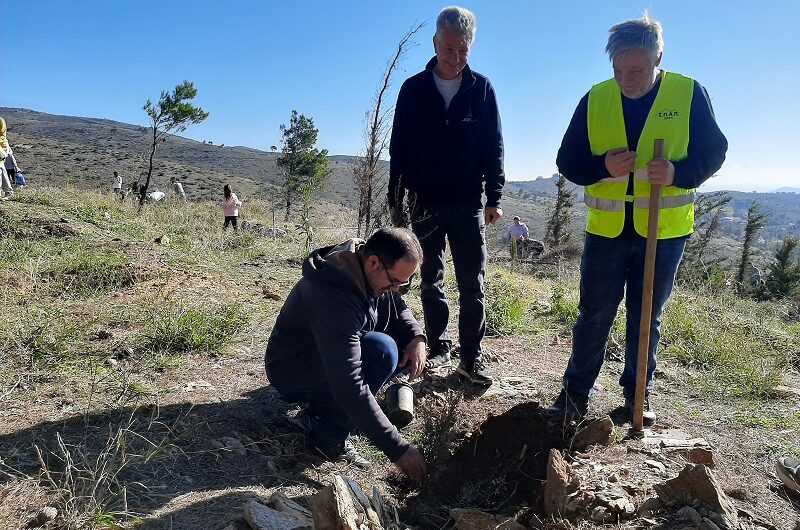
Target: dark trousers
column 230, row 219
column 462, row 225
column 331, row 424
column 609, row 269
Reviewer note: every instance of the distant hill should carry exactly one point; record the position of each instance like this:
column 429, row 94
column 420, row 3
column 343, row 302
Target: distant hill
column 58, row 150
column 68, row 150
column 782, row 208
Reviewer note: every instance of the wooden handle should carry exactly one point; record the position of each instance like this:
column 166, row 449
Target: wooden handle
column 647, row 296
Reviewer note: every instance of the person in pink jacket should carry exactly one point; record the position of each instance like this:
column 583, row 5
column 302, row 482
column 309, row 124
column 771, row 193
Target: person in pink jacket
column 230, row 206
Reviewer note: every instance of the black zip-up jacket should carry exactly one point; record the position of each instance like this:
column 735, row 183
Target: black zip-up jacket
column 317, row 336
column 446, row 156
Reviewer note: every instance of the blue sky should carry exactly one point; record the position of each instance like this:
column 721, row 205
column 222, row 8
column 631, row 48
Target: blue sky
column 255, row 61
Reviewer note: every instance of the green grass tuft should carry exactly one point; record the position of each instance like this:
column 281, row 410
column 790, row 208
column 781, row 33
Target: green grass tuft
column 176, row 329
column 505, row 304
column 564, row 304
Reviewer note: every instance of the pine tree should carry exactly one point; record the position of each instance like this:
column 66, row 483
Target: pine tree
column 558, row 225
column 755, row 222
column 170, row 115
column 783, row 276
column 708, row 210
column 305, row 167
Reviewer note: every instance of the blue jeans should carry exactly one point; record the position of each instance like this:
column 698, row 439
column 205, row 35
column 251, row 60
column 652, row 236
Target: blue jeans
column 331, row 424
column 609, row 269
column 463, row 226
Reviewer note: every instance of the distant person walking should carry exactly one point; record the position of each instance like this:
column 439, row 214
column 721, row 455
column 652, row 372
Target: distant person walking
column 177, row 187
column 5, row 185
column 13, row 170
column 116, row 185
column 230, row 207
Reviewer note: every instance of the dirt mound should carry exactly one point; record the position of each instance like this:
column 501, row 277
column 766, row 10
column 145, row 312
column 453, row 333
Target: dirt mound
column 498, row 467
column 37, row 229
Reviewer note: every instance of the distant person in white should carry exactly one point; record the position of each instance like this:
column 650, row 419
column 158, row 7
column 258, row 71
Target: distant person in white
column 116, row 184
column 177, row 187
column 7, row 191
column 156, row 196
column 11, row 166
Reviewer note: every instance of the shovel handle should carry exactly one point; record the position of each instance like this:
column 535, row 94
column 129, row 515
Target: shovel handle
column 647, row 296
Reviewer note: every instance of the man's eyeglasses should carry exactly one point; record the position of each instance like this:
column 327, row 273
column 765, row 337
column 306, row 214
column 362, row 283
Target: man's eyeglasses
column 402, row 287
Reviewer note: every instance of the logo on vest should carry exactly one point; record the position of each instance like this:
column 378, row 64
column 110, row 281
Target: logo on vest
column 668, row 114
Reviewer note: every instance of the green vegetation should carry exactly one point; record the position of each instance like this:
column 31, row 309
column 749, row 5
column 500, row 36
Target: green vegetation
column 506, row 304
column 180, row 329
column 564, row 303
column 739, row 346
column 96, row 310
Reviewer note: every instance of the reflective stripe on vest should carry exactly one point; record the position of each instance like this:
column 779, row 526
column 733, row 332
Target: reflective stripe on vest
column 615, row 205
column 668, row 119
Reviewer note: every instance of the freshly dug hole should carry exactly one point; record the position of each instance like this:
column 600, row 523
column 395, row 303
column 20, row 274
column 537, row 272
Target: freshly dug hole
column 499, row 467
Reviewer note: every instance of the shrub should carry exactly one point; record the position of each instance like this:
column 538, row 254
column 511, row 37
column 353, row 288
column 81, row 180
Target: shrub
column 505, row 304
column 564, row 305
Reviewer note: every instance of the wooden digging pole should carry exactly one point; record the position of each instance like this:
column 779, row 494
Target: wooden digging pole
column 647, row 296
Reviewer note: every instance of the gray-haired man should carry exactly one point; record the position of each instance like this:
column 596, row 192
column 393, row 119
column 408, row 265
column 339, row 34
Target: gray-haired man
column 608, row 149
column 446, row 148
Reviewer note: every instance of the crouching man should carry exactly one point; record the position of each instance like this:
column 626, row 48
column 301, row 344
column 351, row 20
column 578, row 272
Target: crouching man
column 341, row 334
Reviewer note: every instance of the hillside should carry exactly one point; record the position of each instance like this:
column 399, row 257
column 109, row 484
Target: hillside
column 56, row 150
column 133, row 392
column 83, row 152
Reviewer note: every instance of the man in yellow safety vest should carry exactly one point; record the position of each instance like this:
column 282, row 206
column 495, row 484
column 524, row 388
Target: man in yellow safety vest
column 608, row 149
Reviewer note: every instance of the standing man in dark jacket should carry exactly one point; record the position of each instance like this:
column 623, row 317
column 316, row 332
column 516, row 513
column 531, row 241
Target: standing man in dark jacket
column 339, row 337
column 446, row 151
column 608, row 148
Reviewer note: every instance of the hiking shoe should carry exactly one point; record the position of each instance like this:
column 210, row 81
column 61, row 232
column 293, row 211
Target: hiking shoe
column 569, row 406
column 475, row 371
column 649, row 415
column 788, row 470
column 344, row 452
column 439, row 357
column 438, row 361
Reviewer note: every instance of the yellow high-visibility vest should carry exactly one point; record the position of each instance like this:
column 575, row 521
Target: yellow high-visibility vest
column 668, row 119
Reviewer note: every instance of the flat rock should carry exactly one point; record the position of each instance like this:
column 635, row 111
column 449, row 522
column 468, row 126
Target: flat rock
column 468, row 519
column 655, row 464
column 594, row 431
column 695, row 482
column 261, row 517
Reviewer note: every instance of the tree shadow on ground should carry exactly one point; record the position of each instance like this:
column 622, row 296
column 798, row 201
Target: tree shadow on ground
column 162, row 453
